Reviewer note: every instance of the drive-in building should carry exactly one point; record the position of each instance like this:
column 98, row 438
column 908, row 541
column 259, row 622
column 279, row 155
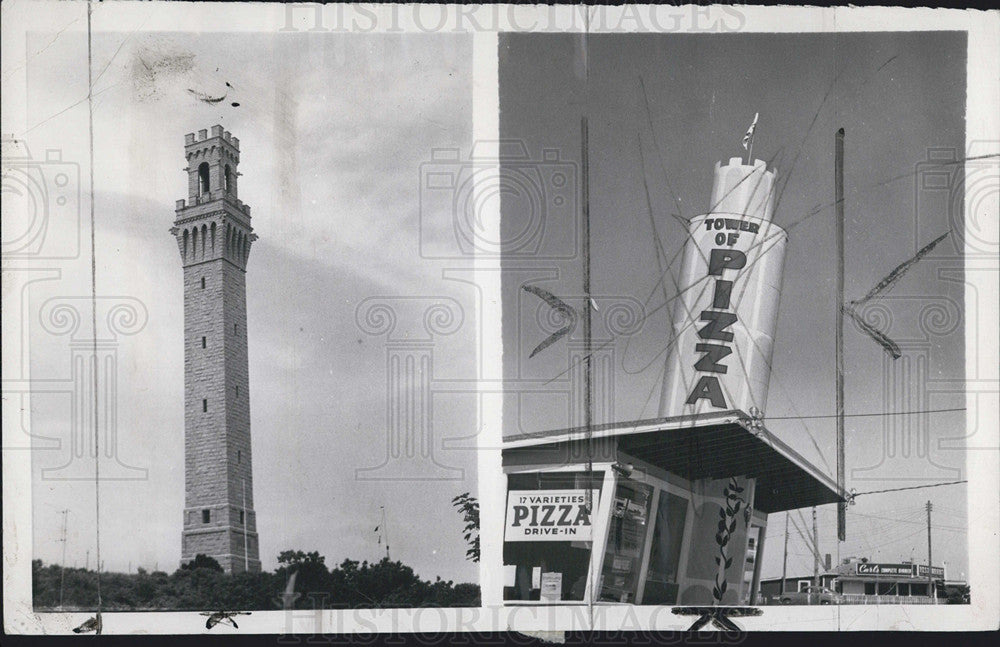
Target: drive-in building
column 673, row 509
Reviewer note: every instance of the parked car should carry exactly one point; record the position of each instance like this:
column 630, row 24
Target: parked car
column 809, row 595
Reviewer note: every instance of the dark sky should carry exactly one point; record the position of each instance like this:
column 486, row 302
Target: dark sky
column 897, row 96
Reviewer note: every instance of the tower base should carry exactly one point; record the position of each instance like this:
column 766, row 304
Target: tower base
column 223, row 544
column 231, row 564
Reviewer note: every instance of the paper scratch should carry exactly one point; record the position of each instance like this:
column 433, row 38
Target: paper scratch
column 201, row 96
column 558, row 305
column 885, row 284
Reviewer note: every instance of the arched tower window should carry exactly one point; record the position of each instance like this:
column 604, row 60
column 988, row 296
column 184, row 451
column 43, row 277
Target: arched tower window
column 229, row 179
column 203, row 184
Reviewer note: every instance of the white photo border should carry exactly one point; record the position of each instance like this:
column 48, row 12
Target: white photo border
column 485, row 22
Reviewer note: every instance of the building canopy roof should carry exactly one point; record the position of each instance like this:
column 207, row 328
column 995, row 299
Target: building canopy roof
column 712, row 446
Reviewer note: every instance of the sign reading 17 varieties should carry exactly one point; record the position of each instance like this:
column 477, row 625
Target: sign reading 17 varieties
column 549, row 515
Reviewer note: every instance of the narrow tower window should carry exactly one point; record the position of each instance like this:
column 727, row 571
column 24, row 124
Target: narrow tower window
column 229, row 179
column 242, row 517
column 203, row 185
column 206, row 516
column 204, row 405
column 203, row 342
column 203, row 283
column 237, row 392
column 236, row 329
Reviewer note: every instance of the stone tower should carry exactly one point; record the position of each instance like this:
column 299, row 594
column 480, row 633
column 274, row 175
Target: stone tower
column 214, row 236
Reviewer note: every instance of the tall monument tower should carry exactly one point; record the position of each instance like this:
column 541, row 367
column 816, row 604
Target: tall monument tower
column 214, row 235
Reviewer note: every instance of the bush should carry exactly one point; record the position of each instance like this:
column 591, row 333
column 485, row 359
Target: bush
column 203, row 561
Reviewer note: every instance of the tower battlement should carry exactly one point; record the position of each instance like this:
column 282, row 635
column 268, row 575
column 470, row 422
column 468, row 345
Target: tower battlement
column 217, row 131
column 743, row 189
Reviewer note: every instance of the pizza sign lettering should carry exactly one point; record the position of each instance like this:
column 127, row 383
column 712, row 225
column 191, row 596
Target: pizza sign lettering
column 549, row 515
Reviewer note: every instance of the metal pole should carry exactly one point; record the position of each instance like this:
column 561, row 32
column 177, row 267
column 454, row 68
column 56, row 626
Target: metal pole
column 815, row 554
column 839, row 197
column 587, row 413
column 62, row 568
column 585, row 194
column 246, row 520
column 784, row 560
column 930, row 576
column 385, row 533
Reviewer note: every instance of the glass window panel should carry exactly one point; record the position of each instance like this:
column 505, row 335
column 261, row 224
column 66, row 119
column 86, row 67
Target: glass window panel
column 558, row 567
column 665, row 552
column 626, row 542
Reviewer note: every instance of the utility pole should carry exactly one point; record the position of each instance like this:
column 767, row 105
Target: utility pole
column 815, row 554
column 784, row 560
column 62, row 569
column 588, row 411
column 839, row 342
column 930, row 575
column 385, row 533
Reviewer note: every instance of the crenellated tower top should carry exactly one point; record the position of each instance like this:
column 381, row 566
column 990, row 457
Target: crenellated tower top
column 213, row 223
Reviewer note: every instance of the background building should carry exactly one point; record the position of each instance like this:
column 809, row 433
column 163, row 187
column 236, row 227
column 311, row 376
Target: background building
column 860, row 581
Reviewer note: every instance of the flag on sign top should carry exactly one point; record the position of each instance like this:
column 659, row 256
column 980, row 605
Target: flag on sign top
column 749, row 136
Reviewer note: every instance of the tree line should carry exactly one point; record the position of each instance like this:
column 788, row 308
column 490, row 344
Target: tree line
column 202, row 585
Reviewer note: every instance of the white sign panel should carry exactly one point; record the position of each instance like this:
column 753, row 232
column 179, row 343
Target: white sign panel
column 549, row 515
column 551, row 587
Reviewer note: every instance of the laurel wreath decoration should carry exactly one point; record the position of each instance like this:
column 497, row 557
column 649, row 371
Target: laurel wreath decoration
column 727, row 526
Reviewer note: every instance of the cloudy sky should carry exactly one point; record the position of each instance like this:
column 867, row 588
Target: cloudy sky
column 333, row 130
column 684, row 102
